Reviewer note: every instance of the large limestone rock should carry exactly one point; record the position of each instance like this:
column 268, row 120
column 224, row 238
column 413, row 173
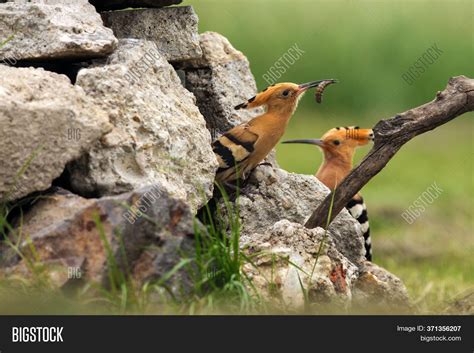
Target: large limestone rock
column 274, row 194
column 158, row 135
column 220, row 80
column 463, row 305
column 173, row 29
column 53, row 29
column 75, row 238
column 102, row 5
column 283, row 259
column 45, row 123
column 287, row 269
column 379, row 289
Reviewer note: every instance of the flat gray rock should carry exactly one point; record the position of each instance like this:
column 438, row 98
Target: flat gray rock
column 46, row 122
column 377, row 289
column 51, row 30
column 285, row 263
column 103, row 5
column 274, row 194
column 159, row 135
column 173, row 29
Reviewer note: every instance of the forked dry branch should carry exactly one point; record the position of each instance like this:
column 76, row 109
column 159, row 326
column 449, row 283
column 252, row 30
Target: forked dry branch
column 392, row 134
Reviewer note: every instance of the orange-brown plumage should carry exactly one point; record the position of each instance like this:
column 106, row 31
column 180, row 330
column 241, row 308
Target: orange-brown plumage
column 243, row 147
column 338, row 158
column 338, row 146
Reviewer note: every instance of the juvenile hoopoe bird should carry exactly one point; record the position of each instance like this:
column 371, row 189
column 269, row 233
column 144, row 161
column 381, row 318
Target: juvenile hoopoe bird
column 338, row 146
column 243, row 147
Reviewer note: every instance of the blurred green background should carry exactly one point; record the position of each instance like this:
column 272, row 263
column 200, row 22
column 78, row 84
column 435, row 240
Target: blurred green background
column 368, row 45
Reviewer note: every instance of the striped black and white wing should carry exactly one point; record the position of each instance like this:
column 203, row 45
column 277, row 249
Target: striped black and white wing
column 358, row 210
column 232, row 149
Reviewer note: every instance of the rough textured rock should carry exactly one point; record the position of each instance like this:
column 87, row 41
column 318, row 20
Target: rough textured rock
column 220, row 80
column 46, row 119
column 462, row 306
column 102, row 5
column 53, row 29
column 173, row 29
column 377, row 288
column 283, row 259
column 286, row 253
column 274, row 194
column 158, row 135
column 64, row 231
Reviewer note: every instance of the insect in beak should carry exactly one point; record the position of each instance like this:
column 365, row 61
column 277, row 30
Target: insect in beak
column 305, row 86
column 320, row 89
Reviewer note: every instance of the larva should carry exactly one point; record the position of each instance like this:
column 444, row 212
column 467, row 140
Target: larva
column 320, row 89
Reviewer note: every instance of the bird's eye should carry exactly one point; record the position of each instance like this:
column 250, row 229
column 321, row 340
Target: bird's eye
column 336, row 142
column 286, row 92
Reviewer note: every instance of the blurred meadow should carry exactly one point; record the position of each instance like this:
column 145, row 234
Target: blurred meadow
column 368, row 46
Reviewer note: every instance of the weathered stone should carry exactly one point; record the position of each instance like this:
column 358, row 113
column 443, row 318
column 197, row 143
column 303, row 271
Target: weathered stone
column 173, row 29
column 220, row 80
column 285, row 265
column 376, row 289
column 284, row 269
column 158, row 135
column 274, row 194
column 53, row 29
column 463, row 305
column 66, row 230
column 46, row 122
column 102, row 5
column 57, row 272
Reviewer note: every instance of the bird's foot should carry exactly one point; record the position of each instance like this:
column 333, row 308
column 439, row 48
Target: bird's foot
column 239, row 188
column 265, row 163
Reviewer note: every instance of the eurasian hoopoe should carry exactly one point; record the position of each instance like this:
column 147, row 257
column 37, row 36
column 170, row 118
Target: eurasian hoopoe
column 243, row 147
column 338, row 146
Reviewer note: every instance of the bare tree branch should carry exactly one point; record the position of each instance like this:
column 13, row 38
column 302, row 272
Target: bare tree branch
column 391, row 135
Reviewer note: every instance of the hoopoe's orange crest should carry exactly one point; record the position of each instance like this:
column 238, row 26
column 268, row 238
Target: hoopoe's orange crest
column 351, row 137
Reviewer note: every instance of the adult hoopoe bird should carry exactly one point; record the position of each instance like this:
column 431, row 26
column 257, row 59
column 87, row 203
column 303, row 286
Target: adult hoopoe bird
column 243, row 147
column 338, row 146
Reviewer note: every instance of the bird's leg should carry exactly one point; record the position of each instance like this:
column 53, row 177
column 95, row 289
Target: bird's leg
column 245, row 187
column 237, row 188
column 231, row 189
column 228, row 186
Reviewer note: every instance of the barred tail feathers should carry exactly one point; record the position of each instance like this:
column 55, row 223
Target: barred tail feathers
column 358, row 210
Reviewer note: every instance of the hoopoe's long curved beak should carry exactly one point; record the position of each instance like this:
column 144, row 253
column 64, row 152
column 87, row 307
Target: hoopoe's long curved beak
column 316, row 142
